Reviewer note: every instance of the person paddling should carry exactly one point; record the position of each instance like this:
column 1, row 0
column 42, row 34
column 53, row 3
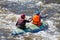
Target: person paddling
column 21, row 22
column 36, row 19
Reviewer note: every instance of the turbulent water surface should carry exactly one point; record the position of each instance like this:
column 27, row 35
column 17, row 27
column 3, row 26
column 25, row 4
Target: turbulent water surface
column 8, row 20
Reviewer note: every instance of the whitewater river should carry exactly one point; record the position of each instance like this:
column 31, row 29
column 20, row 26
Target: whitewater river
column 9, row 19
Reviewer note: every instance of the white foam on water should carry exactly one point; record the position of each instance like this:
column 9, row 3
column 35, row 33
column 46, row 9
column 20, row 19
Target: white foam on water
column 50, row 34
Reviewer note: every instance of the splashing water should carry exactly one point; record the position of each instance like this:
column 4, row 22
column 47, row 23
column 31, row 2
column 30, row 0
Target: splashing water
column 8, row 21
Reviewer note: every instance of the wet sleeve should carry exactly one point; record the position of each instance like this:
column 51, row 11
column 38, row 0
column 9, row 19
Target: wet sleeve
column 27, row 21
column 43, row 16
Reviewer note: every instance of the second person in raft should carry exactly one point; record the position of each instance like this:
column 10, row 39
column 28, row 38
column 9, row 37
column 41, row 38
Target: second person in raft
column 36, row 19
column 21, row 22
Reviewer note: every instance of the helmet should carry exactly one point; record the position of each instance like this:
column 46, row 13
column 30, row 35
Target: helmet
column 23, row 16
column 37, row 12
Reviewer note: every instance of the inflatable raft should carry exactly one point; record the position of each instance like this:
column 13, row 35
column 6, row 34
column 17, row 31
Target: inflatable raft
column 30, row 28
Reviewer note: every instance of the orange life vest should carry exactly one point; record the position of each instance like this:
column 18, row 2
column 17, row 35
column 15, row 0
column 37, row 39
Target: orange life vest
column 36, row 20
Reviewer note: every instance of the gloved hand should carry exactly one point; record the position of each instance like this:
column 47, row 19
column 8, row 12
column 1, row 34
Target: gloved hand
column 46, row 15
column 30, row 19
